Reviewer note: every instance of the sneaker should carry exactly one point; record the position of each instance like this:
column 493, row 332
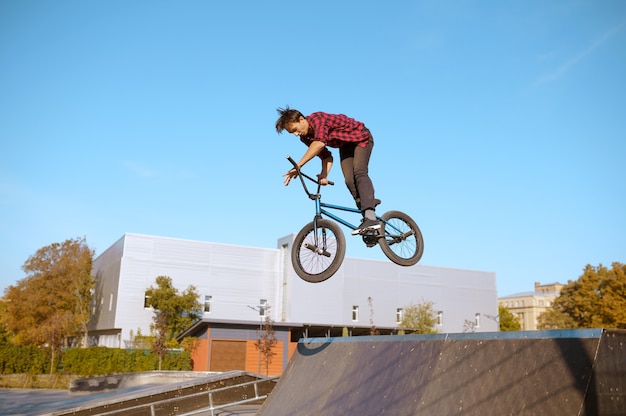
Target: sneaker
column 366, row 226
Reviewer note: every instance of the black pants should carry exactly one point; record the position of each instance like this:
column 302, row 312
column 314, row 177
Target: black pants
column 354, row 165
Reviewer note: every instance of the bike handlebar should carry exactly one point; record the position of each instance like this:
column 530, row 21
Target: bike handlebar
column 300, row 173
column 302, row 176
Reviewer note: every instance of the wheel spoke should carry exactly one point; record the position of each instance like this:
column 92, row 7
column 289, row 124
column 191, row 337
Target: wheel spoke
column 403, row 242
column 317, row 259
column 318, row 251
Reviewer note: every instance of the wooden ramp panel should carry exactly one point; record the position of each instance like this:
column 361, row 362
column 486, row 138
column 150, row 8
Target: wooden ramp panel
column 574, row 372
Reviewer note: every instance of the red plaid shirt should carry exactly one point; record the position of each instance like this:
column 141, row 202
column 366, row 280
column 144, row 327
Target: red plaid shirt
column 335, row 130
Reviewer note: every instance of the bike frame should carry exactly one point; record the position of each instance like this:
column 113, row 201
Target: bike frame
column 319, row 211
column 322, row 208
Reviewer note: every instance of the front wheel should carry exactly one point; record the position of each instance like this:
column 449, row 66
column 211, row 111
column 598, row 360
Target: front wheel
column 401, row 239
column 318, row 250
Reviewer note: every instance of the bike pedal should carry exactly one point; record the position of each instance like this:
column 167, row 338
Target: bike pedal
column 370, row 240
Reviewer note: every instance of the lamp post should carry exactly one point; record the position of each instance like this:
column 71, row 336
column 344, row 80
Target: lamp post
column 260, row 309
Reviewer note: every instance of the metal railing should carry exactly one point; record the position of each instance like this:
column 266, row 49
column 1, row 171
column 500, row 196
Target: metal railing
column 212, row 407
column 194, row 404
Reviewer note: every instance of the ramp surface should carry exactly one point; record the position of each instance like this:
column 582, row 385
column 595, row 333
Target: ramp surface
column 573, row 372
column 230, row 393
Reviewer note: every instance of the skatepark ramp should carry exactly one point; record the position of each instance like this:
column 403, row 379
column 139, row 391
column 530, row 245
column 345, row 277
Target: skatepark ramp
column 563, row 372
column 208, row 395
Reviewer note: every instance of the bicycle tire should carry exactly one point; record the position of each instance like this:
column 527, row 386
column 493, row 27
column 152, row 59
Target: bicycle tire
column 401, row 239
column 316, row 264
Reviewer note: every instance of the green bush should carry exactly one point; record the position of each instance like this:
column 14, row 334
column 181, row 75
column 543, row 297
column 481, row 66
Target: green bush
column 16, row 359
column 88, row 361
column 102, row 360
column 178, row 360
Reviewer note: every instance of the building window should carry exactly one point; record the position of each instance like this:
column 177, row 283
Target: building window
column 111, row 302
column 477, row 320
column 262, row 307
column 439, row 318
column 399, row 315
column 207, row 303
column 355, row 313
column 146, row 300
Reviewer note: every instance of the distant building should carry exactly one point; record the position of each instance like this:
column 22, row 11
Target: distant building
column 236, row 285
column 527, row 306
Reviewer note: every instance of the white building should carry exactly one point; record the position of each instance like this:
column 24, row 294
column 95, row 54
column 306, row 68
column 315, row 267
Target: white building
column 232, row 280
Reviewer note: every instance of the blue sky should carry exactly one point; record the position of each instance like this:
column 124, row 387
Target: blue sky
column 500, row 127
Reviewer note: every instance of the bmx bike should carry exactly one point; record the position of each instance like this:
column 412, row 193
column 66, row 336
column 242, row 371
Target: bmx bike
column 320, row 246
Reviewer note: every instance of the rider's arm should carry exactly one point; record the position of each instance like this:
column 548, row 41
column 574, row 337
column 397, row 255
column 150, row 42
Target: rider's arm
column 318, row 148
column 327, row 164
column 313, row 150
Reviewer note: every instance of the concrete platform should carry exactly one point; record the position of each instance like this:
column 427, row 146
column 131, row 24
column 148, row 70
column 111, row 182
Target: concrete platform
column 152, row 393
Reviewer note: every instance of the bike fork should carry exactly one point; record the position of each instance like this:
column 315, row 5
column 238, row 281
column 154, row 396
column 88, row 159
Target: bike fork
column 319, row 246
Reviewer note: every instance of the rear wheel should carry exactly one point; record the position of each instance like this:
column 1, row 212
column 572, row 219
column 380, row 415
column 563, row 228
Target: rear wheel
column 318, row 252
column 401, row 239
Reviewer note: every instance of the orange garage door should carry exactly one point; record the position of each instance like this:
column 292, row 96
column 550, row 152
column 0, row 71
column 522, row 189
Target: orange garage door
column 228, row 355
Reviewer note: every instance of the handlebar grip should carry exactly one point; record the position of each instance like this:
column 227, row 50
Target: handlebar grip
column 293, row 162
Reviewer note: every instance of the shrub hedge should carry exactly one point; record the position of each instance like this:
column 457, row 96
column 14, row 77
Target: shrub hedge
column 16, row 359
column 88, row 361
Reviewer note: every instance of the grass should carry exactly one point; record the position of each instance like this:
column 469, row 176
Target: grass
column 36, row 381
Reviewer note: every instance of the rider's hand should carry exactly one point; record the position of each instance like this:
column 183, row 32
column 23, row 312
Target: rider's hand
column 289, row 176
column 323, row 180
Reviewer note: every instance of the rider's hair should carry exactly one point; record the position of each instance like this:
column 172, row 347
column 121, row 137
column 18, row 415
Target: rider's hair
column 287, row 115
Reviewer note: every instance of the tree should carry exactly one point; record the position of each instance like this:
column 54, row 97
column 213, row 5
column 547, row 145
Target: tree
column 173, row 311
column 554, row 318
column 596, row 300
column 419, row 318
column 506, row 320
column 469, row 326
column 51, row 304
column 159, row 343
column 267, row 340
column 370, row 304
column 4, row 334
